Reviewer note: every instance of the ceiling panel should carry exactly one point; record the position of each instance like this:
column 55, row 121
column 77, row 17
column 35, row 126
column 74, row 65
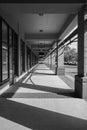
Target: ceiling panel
column 14, row 8
column 51, row 22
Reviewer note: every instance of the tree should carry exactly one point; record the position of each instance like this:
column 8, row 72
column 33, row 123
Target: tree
column 67, row 54
column 70, row 55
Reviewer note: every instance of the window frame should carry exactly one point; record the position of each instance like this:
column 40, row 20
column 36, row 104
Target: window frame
column 13, row 32
column 7, row 79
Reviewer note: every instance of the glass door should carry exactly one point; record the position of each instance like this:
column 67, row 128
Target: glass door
column 11, row 70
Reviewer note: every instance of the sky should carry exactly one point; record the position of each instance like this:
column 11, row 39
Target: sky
column 73, row 45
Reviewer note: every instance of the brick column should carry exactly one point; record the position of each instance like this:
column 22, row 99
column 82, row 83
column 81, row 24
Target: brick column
column 56, row 59
column 51, row 61
column 31, row 58
column 25, row 58
column 61, row 69
column 81, row 77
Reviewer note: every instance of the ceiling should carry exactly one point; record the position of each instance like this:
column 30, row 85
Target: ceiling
column 41, row 24
column 49, row 23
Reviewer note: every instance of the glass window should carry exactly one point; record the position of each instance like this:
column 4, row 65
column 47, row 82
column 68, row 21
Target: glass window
column 28, row 58
column 10, row 54
column 15, row 54
column 22, row 56
column 4, row 52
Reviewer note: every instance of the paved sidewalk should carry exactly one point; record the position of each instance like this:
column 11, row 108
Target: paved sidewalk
column 43, row 102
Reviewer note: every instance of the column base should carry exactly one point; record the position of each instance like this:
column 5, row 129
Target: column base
column 60, row 71
column 81, row 86
column 53, row 68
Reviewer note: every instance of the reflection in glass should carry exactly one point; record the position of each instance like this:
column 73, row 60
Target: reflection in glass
column 22, row 57
column 4, row 52
column 10, row 53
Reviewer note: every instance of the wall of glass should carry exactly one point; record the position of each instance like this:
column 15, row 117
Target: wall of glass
column 10, row 56
column 28, row 58
column 22, row 56
column 8, row 52
column 4, row 51
column 15, row 53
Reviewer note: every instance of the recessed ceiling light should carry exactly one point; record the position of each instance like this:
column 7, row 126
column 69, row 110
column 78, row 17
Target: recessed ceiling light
column 41, row 30
column 41, row 14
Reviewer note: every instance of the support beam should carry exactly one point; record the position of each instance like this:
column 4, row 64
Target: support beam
column 81, row 77
column 40, row 36
column 45, row 1
column 61, row 69
column 56, row 59
column 25, row 57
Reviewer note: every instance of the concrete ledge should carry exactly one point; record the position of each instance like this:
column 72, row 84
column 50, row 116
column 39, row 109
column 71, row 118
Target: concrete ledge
column 4, row 87
column 7, row 85
column 23, row 76
column 81, row 86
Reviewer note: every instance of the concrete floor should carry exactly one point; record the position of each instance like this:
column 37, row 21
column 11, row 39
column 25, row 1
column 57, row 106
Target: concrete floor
column 43, row 101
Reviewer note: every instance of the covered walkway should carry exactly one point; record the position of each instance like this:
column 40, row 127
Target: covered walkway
column 43, row 65
column 42, row 101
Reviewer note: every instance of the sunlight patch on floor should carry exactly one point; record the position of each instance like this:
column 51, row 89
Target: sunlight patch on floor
column 6, row 124
column 27, row 90
column 49, row 81
column 44, row 72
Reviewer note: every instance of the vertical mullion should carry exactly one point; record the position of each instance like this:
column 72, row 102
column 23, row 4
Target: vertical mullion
column 17, row 49
column 0, row 49
column 12, row 59
column 8, row 51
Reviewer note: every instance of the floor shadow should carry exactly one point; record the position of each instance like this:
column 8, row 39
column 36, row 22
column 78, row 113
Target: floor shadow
column 10, row 92
column 35, row 95
column 37, row 118
column 68, row 81
column 58, row 91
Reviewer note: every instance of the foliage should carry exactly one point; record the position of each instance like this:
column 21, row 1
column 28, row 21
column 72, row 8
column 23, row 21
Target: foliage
column 70, row 55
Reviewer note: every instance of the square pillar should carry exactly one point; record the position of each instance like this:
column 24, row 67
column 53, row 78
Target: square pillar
column 25, row 57
column 61, row 68
column 56, row 58
column 81, row 77
column 51, row 61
